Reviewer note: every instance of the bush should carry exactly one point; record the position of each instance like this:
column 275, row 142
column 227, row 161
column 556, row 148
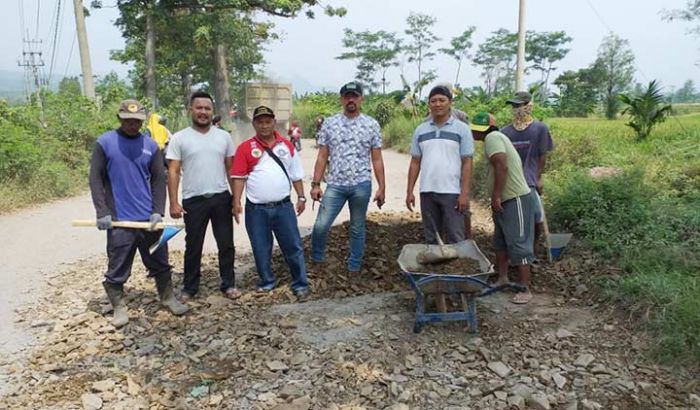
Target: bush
column 398, row 132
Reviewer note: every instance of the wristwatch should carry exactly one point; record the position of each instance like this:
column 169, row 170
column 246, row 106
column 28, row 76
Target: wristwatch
column 315, row 184
column 301, row 199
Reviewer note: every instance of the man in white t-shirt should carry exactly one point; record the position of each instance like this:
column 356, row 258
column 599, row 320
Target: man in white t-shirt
column 267, row 165
column 202, row 154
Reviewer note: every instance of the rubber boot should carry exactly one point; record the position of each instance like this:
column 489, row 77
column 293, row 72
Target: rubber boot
column 167, row 299
column 115, row 293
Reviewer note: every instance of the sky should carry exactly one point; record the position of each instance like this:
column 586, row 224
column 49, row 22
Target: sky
column 306, row 53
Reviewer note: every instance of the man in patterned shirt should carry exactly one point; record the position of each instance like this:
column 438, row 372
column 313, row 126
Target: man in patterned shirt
column 350, row 140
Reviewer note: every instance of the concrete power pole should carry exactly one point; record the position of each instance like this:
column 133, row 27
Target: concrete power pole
column 85, row 65
column 520, row 67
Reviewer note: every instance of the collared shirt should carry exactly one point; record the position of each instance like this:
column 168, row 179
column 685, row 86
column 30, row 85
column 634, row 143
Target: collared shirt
column 350, row 142
column 266, row 181
column 441, row 149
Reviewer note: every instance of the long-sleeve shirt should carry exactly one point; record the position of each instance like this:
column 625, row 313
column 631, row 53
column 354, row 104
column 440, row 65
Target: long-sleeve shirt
column 127, row 178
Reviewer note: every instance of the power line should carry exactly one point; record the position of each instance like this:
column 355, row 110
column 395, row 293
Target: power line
column 70, row 54
column 38, row 13
column 602, row 21
column 20, row 5
column 58, row 24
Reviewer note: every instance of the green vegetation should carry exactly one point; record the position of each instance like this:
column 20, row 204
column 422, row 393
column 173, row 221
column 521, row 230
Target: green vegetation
column 646, row 219
column 40, row 162
column 645, row 109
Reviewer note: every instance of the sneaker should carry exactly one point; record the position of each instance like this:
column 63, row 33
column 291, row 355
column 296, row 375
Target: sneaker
column 265, row 289
column 301, row 293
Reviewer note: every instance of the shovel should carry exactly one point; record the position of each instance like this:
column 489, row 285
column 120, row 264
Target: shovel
column 170, row 229
column 554, row 242
column 443, row 252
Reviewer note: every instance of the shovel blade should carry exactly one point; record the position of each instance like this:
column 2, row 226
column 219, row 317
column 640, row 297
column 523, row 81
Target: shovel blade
column 168, row 233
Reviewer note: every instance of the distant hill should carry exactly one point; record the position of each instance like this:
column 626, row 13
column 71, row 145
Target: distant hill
column 12, row 85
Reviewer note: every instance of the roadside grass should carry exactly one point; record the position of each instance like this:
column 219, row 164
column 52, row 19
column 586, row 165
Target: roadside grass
column 646, row 220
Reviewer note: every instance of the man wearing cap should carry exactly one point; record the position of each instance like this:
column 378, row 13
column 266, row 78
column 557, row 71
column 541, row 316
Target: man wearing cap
column 533, row 141
column 512, row 204
column 441, row 152
column 267, row 165
column 127, row 183
column 352, row 142
column 202, row 153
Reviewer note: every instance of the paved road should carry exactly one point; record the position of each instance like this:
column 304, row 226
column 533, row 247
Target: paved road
column 41, row 241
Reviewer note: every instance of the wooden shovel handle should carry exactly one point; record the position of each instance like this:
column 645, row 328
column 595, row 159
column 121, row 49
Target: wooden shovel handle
column 126, row 224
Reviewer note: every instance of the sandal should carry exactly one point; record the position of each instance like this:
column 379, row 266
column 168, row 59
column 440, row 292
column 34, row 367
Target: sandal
column 522, row 298
column 233, row 293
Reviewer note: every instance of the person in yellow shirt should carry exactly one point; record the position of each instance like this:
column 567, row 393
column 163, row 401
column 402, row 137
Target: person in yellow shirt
column 157, row 131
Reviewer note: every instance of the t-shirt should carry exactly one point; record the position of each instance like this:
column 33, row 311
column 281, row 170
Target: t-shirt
column 441, row 150
column 531, row 143
column 202, row 157
column 350, row 142
column 497, row 142
column 266, row 182
column 126, row 177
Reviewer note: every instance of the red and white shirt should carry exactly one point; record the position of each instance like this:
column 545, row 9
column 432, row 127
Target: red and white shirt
column 266, row 181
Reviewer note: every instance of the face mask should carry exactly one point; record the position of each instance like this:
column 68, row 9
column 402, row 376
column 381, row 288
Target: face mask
column 522, row 116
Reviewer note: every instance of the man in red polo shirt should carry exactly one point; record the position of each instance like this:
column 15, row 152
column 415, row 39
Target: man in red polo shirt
column 267, row 165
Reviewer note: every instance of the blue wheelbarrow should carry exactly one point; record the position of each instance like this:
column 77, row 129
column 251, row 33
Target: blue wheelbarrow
column 465, row 287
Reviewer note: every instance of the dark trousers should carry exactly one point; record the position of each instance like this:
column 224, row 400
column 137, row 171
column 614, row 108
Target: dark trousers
column 440, row 215
column 122, row 244
column 199, row 210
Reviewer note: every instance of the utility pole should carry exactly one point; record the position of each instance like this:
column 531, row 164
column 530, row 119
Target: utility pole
column 32, row 62
column 85, row 65
column 150, row 58
column 520, row 67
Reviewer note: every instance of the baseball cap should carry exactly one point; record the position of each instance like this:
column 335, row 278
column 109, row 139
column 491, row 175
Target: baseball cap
column 521, row 97
column 351, row 87
column 482, row 122
column 262, row 110
column 132, row 109
column 441, row 90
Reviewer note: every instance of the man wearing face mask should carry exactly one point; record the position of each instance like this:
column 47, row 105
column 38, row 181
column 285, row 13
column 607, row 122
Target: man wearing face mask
column 532, row 140
column 127, row 183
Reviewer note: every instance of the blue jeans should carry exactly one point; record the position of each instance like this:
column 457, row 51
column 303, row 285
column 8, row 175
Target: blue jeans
column 333, row 200
column 261, row 221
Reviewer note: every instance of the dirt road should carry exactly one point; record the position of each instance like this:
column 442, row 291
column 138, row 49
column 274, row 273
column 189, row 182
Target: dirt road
column 40, row 241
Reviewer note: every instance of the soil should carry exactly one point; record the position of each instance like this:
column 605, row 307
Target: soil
column 349, row 345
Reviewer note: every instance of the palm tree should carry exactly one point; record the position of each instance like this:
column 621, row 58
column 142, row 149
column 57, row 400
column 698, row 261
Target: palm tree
column 645, row 109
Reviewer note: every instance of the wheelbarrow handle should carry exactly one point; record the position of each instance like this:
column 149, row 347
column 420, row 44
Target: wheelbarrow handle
column 127, row 224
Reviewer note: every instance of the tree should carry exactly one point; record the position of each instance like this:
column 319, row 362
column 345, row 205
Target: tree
column 228, row 36
column 686, row 93
column 690, row 13
column 459, row 49
column 421, row 40
column 646, row 110
column 578, row 92
column 543, row 50
column 376, row 52
column 616, row 63
column 69, row 86
column 496, row 56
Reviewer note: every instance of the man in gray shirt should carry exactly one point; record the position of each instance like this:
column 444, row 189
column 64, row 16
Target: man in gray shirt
column 202, row 154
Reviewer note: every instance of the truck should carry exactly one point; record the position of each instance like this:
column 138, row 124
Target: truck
column 274, row 95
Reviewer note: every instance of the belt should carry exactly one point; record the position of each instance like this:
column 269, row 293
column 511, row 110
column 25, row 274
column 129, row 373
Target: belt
column 269, row 204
